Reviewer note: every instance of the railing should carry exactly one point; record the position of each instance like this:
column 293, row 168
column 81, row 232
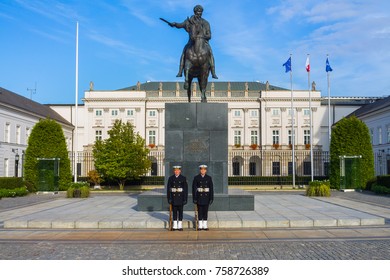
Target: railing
column 241, row 163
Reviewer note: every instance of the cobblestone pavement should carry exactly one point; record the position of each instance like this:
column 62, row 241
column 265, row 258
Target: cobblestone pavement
column 281, row 250
column 367, row 243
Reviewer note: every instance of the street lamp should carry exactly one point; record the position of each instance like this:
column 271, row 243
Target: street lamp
column 16, row 165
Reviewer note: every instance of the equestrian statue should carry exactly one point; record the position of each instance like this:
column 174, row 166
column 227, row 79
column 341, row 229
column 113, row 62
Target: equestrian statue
column 197, row 59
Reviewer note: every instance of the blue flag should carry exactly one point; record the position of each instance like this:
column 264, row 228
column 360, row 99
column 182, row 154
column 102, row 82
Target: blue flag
column 328, row 68
column 288, row 65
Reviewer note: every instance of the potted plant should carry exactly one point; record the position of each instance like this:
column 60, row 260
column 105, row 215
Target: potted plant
column 237, row 145
column 254, row 146
column 290, row 146
column 276, row 146
column 307, row 146
column 151, row 145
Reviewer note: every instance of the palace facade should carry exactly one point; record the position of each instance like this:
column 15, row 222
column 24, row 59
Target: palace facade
column 259, row 117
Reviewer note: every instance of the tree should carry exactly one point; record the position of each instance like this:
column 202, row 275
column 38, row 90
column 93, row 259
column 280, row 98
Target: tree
column 46, row 140
column 123, row 156
column 351, row 137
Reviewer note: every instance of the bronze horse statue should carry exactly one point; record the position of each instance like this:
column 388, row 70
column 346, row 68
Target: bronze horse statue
column 197, row 59
column 196, row 63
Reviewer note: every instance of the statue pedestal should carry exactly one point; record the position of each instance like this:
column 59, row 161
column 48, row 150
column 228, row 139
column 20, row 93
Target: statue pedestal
column 195, row 134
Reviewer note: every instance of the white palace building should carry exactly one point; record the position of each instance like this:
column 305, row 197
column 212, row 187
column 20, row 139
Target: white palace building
column 259, row 116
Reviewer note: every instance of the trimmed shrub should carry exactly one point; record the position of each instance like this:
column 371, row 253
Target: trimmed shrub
column 11, row 182
column 351, row 137
column 79, row 189
column 370, row 183
column 13, row 192
column 380, row 189
column 318, row 188
column 384, row 181
column 46, row 141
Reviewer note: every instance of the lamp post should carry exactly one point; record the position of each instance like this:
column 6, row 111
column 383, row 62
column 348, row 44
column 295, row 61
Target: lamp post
column 16, row 164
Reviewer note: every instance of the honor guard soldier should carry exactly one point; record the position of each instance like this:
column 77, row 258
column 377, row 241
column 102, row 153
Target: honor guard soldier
column 203, row 195
column 177, row 194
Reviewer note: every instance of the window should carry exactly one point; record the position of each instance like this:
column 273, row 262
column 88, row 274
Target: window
column 236, row 168
column 237, row 113
column 290, row 137
column 275, row 136
column 276, row 168
column 306, row 112
column 237, row 137
column 275, row 112
column 290, row 112
column 254, row 137
column 388, row 134
column 306, row 168
column 98, row 135
column 152, row 137
column 252, row 168
column 379, row 135
column 98, row 113
column 306, row 136
column 254, row 113
column 290, row 168
column 130, row 113
column 7, row 135
column 152, row 113
column 114, row 113
column 372, row 135
column 27, row 134
column 18, row 134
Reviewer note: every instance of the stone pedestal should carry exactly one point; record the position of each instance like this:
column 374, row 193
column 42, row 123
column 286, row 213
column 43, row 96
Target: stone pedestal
column 197, row 133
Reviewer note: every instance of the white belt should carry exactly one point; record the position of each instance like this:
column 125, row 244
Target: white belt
column 203, row 190
column 176, row 189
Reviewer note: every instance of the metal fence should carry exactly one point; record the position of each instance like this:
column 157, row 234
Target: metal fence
column 269, row 164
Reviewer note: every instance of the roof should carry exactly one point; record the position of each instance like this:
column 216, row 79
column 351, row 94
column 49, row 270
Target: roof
column 349, row 101
column 17, row 101
column 372, row 107
column 218, row 86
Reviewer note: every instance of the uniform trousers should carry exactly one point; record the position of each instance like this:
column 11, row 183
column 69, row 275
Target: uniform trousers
column 177, row 209
column 202, row 212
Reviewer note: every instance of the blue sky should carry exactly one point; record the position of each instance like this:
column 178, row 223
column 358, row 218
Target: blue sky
column 123, row 41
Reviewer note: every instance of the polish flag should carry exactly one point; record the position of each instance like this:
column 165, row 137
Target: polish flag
column 307, row 64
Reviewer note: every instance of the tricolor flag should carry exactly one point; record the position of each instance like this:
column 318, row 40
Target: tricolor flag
column 328, row 68
column 307, row 64
column 288, row 65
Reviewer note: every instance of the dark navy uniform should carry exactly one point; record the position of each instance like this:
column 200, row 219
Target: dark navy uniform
column 177, row 194
column 203, row 194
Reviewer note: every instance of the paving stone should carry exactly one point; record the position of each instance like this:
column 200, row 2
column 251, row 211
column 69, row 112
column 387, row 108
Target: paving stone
column 16, row 224
column 63, row 224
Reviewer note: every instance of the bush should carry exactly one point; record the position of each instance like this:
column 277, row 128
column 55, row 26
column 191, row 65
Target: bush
column 79, row 189
column 13, row 192
column 46, row 140
column 370, row 183
column 318, row 188
column 384, row 181
column 380, row 189
column 11, row 182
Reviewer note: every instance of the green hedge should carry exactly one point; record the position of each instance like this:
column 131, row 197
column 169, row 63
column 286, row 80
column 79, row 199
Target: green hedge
column 13, row 192
column 318, row 188
column 271, row 180
column 380, row 189
column 383, row 181
column 11, row 182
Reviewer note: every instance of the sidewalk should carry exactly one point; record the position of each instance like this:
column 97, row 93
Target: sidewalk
column 120, row 212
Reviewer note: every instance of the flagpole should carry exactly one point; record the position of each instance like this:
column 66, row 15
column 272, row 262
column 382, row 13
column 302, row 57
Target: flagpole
column 292, row 126
column 329, row 120
column 311, row 121
column 76, row 104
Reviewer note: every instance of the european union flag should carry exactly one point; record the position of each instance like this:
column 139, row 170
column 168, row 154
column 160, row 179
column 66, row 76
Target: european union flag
column 328, row 68
column 288, row 65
